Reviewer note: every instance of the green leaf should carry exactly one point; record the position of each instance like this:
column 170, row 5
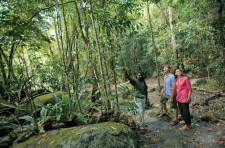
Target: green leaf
column 27, row 118
column 8, row 126
column 58, row 117
column 82, row 89
column 81, row 118
column 20, row 137
column 57, row 99
column 43, row 113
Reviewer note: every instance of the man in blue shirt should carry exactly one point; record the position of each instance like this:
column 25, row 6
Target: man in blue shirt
column 168, row 93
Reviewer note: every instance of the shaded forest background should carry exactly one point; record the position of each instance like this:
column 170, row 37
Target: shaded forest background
column 80, row 47
column 54, row 45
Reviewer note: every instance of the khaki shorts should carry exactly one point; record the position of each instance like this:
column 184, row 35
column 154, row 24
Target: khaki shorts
column 165, row 98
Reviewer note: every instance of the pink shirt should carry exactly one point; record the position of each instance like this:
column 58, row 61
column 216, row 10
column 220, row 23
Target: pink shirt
column 183, row 87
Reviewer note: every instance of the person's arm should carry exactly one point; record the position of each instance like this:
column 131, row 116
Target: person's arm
column 127, row 76
column 189, row 96
column 173, row 83
column 173, row 92
column 162, row 92
column 188, row 85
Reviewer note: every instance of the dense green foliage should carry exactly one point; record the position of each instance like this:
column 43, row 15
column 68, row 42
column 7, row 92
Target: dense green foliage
column 56, row 44
column 62, row 45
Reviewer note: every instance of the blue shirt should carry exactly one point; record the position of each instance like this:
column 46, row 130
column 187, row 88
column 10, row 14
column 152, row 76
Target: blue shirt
column 168, row 82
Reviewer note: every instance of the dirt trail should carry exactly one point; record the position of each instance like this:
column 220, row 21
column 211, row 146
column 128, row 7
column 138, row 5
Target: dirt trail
column 202, row 134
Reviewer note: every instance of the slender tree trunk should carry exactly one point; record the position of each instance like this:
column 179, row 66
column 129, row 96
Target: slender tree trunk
column 221, row 33
column 107, row 71
column 3, row 69
column 2, row 85
column 10, row 63
column 112, row 57
column 154, row 47
column 77, row 74
column 65, row 51
column 100, row 57
column 173, row 36
column 24, row 62
column 84, row 39
column 11, row 68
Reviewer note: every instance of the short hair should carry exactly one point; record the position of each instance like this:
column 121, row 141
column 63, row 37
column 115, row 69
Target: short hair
column 168, row 66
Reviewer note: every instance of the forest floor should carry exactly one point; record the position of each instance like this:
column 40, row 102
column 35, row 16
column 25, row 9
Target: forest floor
column 207, row 128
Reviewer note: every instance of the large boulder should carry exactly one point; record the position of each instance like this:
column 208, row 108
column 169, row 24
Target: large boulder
column 102, row 135
column 44, row 99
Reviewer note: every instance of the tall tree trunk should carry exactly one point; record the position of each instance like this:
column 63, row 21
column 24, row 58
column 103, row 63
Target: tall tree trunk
column 60, row 41
column 173, row 36
column 154, row 47
column 77, row 73
column 2, row 85
column 221, row 33
column 84, row 39
column 107, row 71
column 100, row 57
column 65, row 51
column 112, row 63
column 3, row 69
column 10, row 63
column 10, row 67
column 7, row 62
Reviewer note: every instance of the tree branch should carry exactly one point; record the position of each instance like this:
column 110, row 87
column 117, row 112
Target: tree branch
column 48, row 8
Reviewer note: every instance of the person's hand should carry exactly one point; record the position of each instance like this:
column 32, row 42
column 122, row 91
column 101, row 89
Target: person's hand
column 161, row 94
column 171, row 100
column 124, row 70
column 188, row 99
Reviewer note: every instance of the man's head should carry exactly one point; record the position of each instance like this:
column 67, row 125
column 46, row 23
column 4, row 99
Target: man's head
column 166, row 68
column 139, row 76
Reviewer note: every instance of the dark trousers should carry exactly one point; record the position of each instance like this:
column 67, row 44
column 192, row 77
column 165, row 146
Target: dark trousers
column 185, row 113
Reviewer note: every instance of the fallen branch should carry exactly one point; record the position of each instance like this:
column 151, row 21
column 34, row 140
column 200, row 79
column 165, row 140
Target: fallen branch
column 207, row 91
column 206, row 101
column 11, row 106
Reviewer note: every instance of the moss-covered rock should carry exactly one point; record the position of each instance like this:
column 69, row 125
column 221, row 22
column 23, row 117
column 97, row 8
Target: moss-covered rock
column 102, row 135
column 44, row 99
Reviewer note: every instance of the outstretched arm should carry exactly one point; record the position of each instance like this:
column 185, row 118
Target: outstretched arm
column 127, row 76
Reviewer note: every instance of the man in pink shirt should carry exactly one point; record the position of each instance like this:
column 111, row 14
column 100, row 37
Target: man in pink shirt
column 184, row 90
